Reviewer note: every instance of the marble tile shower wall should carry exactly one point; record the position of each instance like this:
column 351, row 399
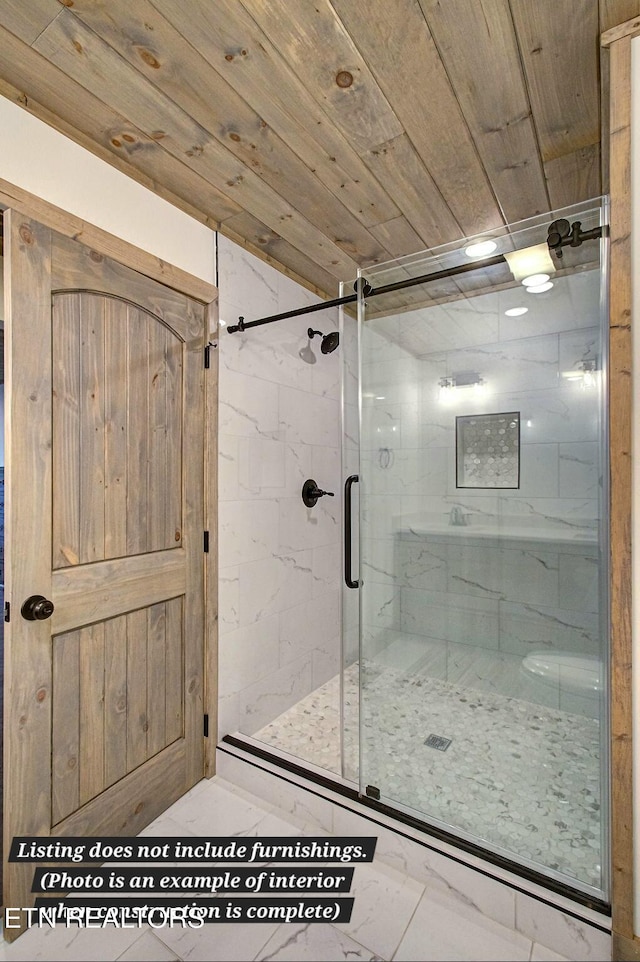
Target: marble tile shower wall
column 279, row 561
column 509, row 597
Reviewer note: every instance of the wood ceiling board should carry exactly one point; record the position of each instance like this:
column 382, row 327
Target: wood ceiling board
column 419, row 91
column 471, row 38
column 28, row 18
column 574, row 177
column 398, row 165
column 229, row 39
column 315, row 43
column 270, row 247
column 398, row 237
column 559, row 49
column 152, row 46
column 44, row 90
column 95, row 65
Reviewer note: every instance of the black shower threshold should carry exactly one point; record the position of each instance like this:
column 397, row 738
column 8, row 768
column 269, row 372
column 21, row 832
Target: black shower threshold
column 375, row 807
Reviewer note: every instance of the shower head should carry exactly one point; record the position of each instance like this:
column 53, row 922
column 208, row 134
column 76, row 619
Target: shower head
column 329, row 341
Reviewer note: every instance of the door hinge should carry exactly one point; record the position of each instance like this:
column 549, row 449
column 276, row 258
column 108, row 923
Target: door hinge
column 7, row 611
column 206, row 542
column 373, row 792
column 207, row 356
column 206, row 726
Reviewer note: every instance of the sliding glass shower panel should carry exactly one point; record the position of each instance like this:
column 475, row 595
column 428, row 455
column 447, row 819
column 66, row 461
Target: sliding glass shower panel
column 483, row 613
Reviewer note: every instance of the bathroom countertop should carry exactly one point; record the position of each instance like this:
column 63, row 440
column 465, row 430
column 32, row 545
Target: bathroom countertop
column 565, row 538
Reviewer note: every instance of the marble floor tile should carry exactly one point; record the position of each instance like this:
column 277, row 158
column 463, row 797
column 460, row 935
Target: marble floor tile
column 443, row 930
column 225, row 942
column 312, row 943
column 384, row 902
column 148, row 949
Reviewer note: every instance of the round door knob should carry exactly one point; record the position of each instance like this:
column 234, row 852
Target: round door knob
column 37, row 608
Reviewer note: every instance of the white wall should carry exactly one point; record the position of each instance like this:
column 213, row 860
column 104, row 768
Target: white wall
column 46, row 163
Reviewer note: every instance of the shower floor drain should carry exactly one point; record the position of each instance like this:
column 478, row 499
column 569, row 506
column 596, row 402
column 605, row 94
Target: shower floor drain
column 438, row 741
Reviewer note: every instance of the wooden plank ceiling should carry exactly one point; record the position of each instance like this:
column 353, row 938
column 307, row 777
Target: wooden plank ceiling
column 326, row 134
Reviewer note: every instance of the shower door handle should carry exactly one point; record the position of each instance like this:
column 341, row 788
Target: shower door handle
column 350, row 583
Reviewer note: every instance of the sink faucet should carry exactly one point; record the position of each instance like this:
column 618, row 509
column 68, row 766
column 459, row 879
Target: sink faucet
column 457, row 516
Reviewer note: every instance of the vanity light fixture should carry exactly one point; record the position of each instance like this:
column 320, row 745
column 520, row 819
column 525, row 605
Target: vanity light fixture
column 451, row 384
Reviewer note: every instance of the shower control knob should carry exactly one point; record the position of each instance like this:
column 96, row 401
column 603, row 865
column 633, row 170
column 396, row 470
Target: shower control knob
column 311, row 492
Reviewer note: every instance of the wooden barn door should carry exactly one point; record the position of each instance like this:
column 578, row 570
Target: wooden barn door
column 103, row 705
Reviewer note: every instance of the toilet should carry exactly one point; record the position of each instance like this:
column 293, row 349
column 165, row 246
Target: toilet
column 566, row 672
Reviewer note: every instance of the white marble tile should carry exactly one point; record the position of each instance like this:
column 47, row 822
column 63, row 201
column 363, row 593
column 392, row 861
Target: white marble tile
column 164, row 825
column 276, row 692
column 572, row 937
column 384, row 902
column 69, row 944
column 525, row 628
column 380, row 606
column 312, row 943
column 308, row 810
column 470, row 620
column 228, row 942
column 261, row 468
column 580, row 470
column 442, row 929
column 560, row 414
column 308, row 418
column 301, row 527
column 511, row 366
column 506, row 574
column 325, row 662
column 245, row 280
column 397, row 472
column 325, row 568
column 248, row 654
column 148, row 948
column 310, row 625
column 228, row 597
column 579, row 346
column 579, row 582
column 539, row 471
column 247, row 531
column 248, row 406
column 540, row 953
column 499, row 672
column 273, row 584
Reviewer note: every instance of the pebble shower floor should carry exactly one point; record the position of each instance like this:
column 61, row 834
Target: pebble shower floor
column 521, row 776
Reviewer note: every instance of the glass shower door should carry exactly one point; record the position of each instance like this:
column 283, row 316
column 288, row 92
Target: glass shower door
column 483, row 612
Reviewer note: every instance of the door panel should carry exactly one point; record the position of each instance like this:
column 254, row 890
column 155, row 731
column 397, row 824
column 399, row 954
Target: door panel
column 105, row 478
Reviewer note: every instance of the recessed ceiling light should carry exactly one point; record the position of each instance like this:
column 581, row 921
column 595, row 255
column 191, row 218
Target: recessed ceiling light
column 516, row 311
column 481, row 248
column 534, row 280
column 540, row 288
column 381, row 397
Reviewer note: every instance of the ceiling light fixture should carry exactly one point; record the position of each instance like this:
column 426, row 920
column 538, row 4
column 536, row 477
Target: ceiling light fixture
column 480, row 248
column 540, row 288
column 516, row 311
column 534, row 280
